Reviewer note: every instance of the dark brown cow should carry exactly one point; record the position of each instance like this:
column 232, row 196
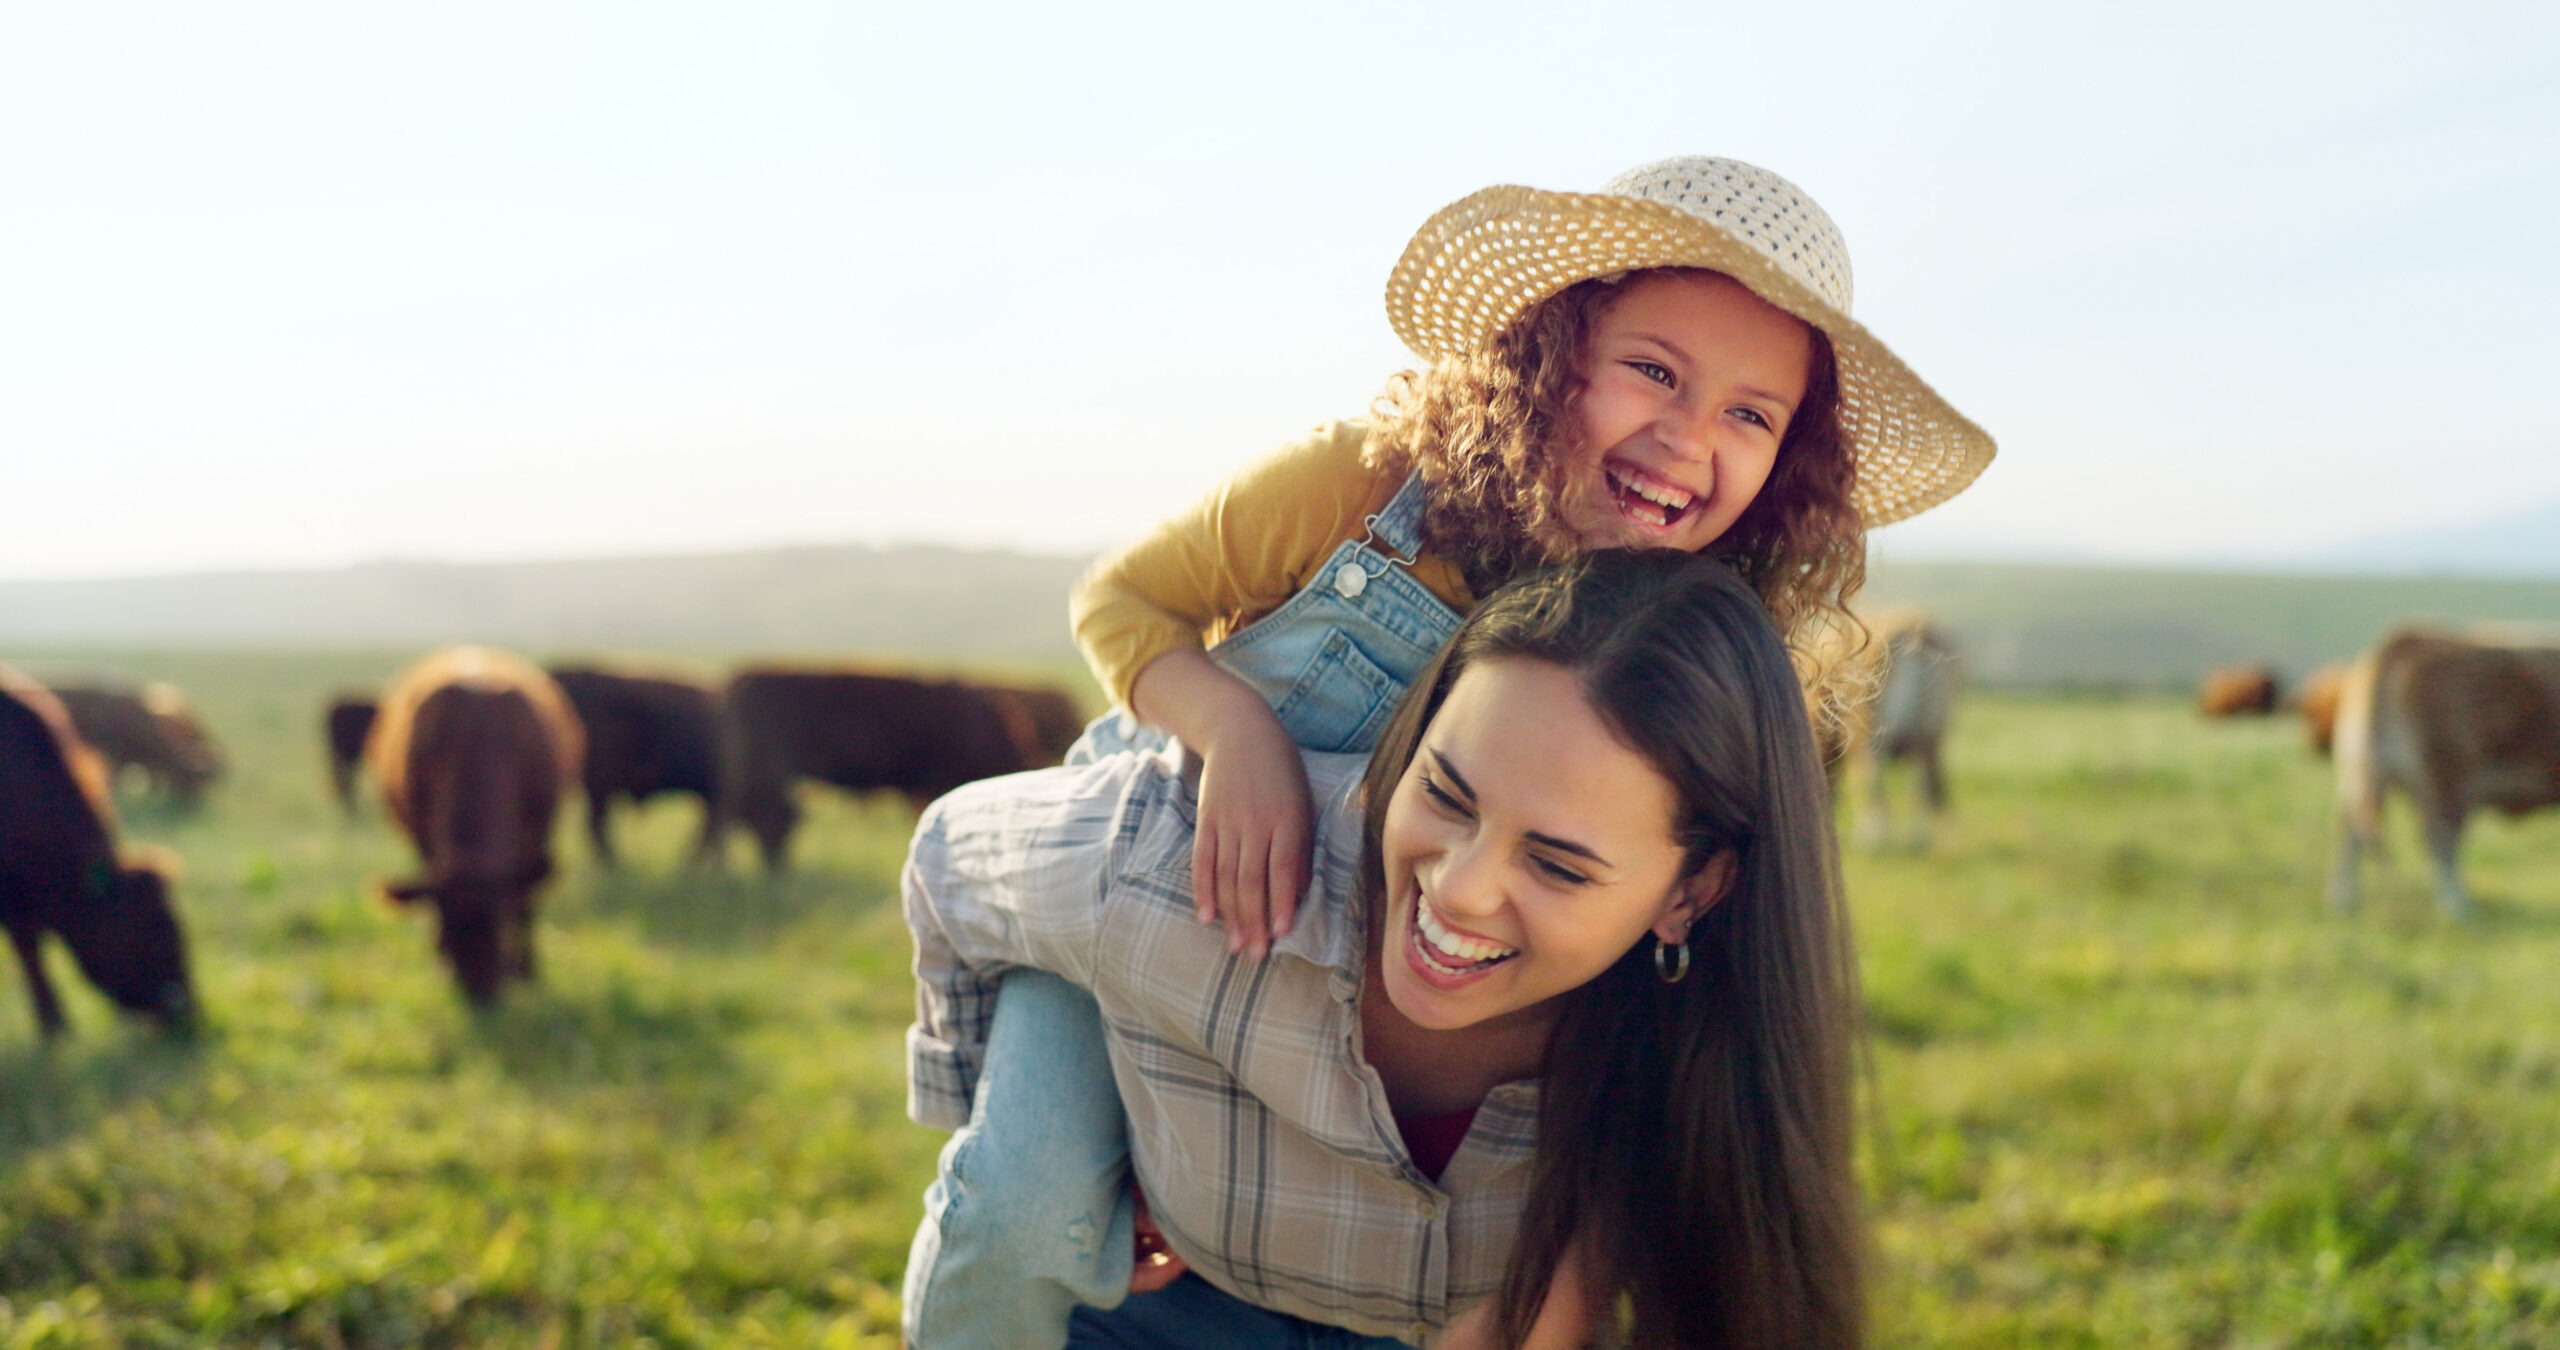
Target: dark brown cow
column 60, row 873
column 153, row 730
column 646, row 734
column 858, row 730
column 1044, row 721
column 2456, row 723
column 2319, row 700
column 2238, row 691
column 343, row 728
column 472, row 751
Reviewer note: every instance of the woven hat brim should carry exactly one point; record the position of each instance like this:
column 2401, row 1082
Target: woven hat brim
column 1481, row 260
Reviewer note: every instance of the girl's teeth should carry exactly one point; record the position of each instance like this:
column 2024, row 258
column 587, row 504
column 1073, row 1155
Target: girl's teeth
column 1464, row 950
column 1665, row 502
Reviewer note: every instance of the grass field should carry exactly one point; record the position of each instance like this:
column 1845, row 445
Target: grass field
column 2132, row 1086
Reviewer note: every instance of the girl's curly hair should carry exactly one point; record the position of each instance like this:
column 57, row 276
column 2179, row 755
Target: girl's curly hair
column 1490, row 432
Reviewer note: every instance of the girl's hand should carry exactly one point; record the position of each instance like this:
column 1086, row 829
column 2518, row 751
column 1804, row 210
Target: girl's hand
column 1249, row 859
column 1255, row 828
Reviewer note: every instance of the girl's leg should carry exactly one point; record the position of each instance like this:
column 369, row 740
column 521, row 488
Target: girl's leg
column 1030, row 1215
column 1191, row 1312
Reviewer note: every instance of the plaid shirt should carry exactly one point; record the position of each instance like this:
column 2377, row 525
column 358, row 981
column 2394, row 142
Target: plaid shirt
column 1262, row 1137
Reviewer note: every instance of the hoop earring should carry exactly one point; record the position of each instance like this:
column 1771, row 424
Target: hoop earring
column 1673, row 970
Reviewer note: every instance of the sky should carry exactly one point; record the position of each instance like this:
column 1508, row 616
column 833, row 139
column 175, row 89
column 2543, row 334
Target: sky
column 309, row 285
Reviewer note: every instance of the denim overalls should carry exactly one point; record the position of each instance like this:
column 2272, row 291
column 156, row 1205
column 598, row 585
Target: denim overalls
column 1030, row 1214
column 1334, row 659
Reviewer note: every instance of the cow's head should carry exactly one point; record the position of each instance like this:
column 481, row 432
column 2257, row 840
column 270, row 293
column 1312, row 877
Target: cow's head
column 195, row 759
column 480, row 943
column 134, row 951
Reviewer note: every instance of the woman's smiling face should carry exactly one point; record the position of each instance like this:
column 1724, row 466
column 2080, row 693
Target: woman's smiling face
column 1526, row 849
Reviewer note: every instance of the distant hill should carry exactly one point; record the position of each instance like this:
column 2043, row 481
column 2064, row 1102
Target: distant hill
column 2021, row 624
column 2522, row 545
column 938, row 601
column 2124, row 626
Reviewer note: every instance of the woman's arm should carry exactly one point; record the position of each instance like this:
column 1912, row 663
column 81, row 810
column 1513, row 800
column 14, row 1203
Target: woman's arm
column 1005, row 873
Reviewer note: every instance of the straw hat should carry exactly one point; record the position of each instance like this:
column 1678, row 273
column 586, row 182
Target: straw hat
column 1474, row 266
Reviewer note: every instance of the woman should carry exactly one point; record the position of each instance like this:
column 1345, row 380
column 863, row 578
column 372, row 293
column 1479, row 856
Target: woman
column 1560, row 1043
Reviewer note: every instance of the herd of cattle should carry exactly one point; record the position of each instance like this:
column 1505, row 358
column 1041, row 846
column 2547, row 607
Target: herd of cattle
column 2456, row 721
column 473, row 752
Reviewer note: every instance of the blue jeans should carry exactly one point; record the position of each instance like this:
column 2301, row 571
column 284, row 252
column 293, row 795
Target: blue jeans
column 1030, row 1215
column 1039, row 1174
column 1191, row 1313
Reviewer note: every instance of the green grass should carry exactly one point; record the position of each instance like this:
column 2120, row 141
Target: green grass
column 2137, row 1087
column 691, row 1133
column 2132, row 1085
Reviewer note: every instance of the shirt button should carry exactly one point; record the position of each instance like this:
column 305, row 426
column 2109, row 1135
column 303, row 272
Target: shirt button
column 1350, row 579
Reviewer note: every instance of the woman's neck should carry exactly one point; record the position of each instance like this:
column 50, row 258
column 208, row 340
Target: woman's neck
column 1432, row 1073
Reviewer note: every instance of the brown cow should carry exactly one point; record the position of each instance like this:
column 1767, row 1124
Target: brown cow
column 2456, row 723
column 2319, row 699
column 472, row 751
column 646, row 734
column 153, row 730
column 1045, row 722
column 859, row 730
column 2238, row 691
column 344, row 725
column 60, row 873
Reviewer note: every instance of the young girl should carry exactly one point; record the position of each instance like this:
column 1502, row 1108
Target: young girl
column 1583, row 897
column 1667, row 363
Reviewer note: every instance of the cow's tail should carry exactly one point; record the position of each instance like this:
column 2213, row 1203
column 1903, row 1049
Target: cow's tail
column 2359, row 776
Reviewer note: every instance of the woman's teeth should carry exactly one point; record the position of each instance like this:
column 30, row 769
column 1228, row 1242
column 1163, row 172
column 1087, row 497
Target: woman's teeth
column 1656, row 504
column 1451, row 952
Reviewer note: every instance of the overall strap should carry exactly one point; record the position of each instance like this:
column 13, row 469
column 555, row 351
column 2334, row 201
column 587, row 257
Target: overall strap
column 1399, row 524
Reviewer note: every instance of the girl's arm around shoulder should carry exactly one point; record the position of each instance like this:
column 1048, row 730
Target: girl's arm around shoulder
column 1256, row 820
column 1235, row 555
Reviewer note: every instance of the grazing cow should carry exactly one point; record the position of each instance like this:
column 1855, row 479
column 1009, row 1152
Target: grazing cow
column 153, row 730
column 60, row 873
column 1044, row 721
column 344, row 726
column 472, row 751
column 646, row 734
column 1919, row 672
column 2238, row 691
column 2456, row 723
column 2319, row 699
column 857, row 730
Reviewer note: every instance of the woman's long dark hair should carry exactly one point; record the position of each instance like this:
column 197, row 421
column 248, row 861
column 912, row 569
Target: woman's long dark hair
column 1694, row 1139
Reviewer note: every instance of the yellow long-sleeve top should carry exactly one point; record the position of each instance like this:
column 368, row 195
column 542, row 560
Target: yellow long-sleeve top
column 1237, row 555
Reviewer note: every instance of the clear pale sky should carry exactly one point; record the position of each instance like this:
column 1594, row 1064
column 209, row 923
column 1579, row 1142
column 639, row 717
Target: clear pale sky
column 303, row 285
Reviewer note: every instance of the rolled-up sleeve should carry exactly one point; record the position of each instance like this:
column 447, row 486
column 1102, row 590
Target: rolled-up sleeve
column 1004, row 873
column 1235, row 556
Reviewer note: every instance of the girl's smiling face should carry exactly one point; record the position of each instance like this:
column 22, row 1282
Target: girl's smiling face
column 1525, row 850
column 1689, row 382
